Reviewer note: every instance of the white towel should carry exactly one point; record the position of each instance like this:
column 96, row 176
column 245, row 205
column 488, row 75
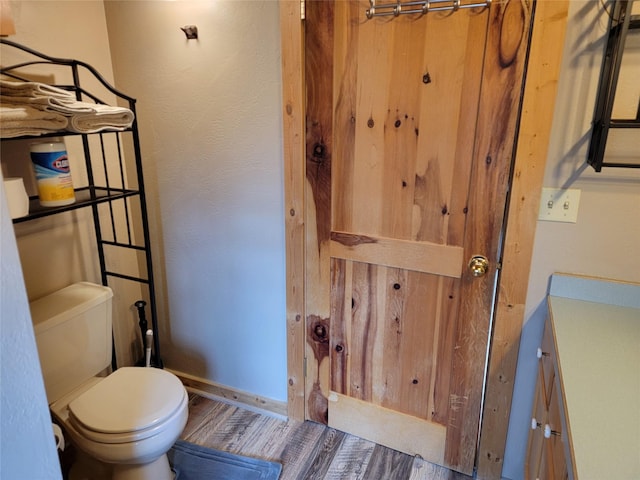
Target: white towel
column 51, row 104
column 32, row 89
column 103, row 117
column 24, row 120
column 84, row 117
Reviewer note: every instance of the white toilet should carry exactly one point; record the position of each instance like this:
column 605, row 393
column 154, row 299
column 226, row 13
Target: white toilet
column 128, row 419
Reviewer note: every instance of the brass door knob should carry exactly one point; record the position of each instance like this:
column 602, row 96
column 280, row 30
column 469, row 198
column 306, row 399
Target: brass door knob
column 479, row 264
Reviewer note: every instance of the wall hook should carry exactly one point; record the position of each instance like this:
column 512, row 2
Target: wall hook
column 191, row 31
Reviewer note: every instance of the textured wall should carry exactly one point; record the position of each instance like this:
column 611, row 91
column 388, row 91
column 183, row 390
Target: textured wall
column 38, row 26
column 25, row 425
column 25, row 420
column 605, row 239
column 210, row 123
column 59, row 250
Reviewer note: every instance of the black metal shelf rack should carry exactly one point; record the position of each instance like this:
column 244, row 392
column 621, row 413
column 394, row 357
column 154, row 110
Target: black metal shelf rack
column 621, row 23
column 118, row 203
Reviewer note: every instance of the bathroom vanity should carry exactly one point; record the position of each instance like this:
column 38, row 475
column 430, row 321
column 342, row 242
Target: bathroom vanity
column 586, row 416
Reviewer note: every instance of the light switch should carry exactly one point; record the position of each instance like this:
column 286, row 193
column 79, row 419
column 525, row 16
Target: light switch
column 559, row 205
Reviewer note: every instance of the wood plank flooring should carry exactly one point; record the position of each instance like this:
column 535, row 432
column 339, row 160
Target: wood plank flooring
column 306, row 450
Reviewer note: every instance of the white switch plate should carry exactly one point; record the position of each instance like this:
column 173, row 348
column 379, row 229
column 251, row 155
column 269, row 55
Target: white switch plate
column 559, row 205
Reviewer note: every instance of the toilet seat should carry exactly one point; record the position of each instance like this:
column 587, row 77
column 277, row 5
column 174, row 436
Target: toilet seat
column 131, row 404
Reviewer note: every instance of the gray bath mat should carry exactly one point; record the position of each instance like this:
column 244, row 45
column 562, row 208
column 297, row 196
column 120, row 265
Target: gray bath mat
column 193, row 462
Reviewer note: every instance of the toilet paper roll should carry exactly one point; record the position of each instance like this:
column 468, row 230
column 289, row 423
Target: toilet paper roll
column 17, row 198
column 57, row 433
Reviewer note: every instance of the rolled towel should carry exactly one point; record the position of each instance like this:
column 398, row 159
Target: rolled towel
column 103, row 117
column 16, row 121
column 33, row 89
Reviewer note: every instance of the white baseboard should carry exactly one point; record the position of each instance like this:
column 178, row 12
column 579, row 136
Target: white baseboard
column 226, row 394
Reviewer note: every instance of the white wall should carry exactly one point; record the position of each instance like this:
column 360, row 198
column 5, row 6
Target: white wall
column 25, row 424
column 38, row 26
column 604, row 241
column 59, row 250
column 209, row 113
column 27, row 449
column 210, row 123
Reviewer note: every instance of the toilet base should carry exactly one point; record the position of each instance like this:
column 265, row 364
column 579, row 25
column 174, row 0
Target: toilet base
column 88, row 468
column 159, row 469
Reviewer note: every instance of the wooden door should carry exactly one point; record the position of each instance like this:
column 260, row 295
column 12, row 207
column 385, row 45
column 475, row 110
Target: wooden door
column 410, row 136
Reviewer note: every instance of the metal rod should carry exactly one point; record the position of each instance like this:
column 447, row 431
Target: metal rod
column 620, row 165
column 619, row 23
column 426, row 6
column 124, row 245
column 624, row 123
column 61, row 61
column 126, row 277
column 122, row 183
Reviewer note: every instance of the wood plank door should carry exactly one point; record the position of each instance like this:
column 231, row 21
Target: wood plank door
column 410, row 136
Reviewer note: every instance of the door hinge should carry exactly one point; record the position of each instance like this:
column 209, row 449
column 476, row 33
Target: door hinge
column 302, row 9
column 304, row 367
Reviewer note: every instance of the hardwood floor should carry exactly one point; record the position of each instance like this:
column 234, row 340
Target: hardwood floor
column 306, row 450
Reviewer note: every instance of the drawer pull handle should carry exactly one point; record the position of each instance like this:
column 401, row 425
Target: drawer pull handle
column 540, row 353
column 547, row 428
column 548, row 432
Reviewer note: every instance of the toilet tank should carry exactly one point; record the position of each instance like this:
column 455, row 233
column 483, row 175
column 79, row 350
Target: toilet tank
column 73, row 334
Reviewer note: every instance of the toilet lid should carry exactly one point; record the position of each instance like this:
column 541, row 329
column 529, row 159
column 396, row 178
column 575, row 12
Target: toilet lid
column 130, row 399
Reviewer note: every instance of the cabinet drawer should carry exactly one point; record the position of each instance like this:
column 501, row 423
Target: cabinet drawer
column 536, row 434
column 553, row 465
column 555, row 443
column 546, row 353
column 546, row 451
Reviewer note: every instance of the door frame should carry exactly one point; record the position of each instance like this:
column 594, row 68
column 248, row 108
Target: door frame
column 539, row 97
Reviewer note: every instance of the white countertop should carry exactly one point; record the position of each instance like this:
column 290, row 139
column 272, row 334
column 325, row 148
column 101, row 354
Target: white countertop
column 598, row 355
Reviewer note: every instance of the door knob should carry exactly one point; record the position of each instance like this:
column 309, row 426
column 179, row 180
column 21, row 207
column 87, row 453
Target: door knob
column 479, row 264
